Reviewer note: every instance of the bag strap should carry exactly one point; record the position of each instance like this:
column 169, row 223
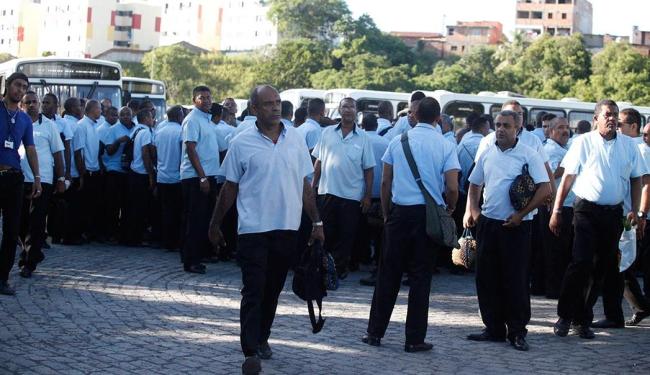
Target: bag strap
column 414, row 168
column 316, row 325
column 385, row 130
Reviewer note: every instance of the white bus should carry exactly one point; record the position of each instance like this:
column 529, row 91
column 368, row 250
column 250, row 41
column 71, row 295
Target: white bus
column 459, row 106
column 300, row 97
column 144, row 88
column 367, row 100
column 68, row 77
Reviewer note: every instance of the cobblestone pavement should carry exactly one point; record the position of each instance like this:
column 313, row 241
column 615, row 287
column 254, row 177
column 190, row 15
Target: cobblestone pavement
column 113, row 310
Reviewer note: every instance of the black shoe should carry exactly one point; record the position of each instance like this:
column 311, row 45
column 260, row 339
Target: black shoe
column 519, row 343
column 6, row 290
column 561, row 327
column 46, row 245
column 414, row 348
column 485, row 336
column 195, row 268
column 369, row 281
column 584, row 332
column 251, row 366
column 371, row 340
column 264, row 350
column 25, row 272
column 606, row 323
column 637, row 318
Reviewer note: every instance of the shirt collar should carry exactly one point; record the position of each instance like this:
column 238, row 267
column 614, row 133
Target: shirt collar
column 496, row 143
column 250, row 117
column 312, row 121
column 283, row 130
column 423, row 125
column 92, row 122
column 354, row 128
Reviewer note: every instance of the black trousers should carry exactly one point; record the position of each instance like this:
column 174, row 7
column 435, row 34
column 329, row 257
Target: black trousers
column 11, row 201
column 198, row 211
column 115, row 194
column 56, row 216
column 32, row 225
column 73, row 220
column 539, row 249
column 558, row 254
column 639, row 299
column 502, row 276
column 92, row 198
column 597, row 230
column 229, row 229
column 407, row 248
column 137, row 214
column 171, row 201
column 264, row 259
column 340, row 219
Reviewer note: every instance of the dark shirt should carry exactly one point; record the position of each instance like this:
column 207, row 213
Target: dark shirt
column 21, row 131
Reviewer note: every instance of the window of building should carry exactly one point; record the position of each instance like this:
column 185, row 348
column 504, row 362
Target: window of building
column 549, row 16
column 454, row 48
column 564, row 1
column 563, row 31
column 550, row 1
column 563, row 16
column 4, row 12
column 450, row 31
column 536, row 15
column 68, row 38
column 2, row 41
column 523, row 14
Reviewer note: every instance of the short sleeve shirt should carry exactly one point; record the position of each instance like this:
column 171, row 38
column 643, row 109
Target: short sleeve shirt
column 13, row 134
column 555, row 154
column 270, row 178
column 343, row 161
column 76, row 144
column 90, row 140
column 466, row 151
column 113, row 162
column 168, row 143
column 48, row 142
column 379, row 145
column 198, row 128
column 496, row 170
column 525, row 137
column 311, row 132
column 143, row 138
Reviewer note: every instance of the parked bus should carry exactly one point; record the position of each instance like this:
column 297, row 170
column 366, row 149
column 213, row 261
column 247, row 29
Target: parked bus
column 459, row 106
column 367, row 100
column 300, row 97
column 68, row 77
column 144, row 88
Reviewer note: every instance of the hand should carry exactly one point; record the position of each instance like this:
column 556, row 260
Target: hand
column 81, row 183
column 60, row 187
column 317, row 234
column 366, row 202
column 555, row 223
column 37, row 189
column 513, row 221
column 123, row 139
column 152, row 183
column 450, row 210
column 215, row 235
column 205, row 186
column 468, row 220
column 640, row 227
column 631, row 218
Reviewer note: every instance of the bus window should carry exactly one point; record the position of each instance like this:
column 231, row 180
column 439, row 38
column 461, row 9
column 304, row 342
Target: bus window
column 460, row 110
column 536, row 110
column 576, row 116
column 496, row 108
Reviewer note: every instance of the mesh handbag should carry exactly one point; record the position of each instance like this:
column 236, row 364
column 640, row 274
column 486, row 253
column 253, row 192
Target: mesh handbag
column 465, row 254
column 522, row 189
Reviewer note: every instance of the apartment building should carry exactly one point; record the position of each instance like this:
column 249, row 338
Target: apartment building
column 554, row 17
column 19, row 25
column 464, row 36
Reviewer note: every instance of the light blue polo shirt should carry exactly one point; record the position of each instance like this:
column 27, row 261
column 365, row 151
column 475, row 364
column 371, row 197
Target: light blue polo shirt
column 433, row 156
column 168, row 142
column 270, row 177
column 223, row 130
column 555, row 154
column 47, row 142
column 75, row 144
column 87, row 136
column 343, row 161
column 143, row 138
column 382, row 124
column 102, row 134
column 311, row 131
column 113, row 162
column 249, row 122
column 402, row 125
column 198, row 128
column 379, row 145
column 466, row 150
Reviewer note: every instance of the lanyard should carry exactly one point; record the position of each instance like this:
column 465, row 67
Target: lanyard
column 11, row 122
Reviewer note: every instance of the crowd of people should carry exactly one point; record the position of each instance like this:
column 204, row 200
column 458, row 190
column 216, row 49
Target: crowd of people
column 263, row 187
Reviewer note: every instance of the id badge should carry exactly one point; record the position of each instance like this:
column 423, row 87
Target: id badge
column 9, row 144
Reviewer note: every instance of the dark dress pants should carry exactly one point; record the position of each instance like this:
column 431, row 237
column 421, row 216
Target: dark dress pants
column 597, row 230
column 558, row 254
column 116, row 194
column 198, row 211
column 502, row 276
column 72, row 227
column 407, row 248
column 11, row 200
column 340, row 219
column 639, row 298
column 540, row 242
column 92, row 198
column 139, row 197
column 32, row 225
column 171, row 200
column 264, row 259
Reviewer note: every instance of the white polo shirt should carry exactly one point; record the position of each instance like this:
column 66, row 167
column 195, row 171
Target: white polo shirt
column 497, row 170
column 88, row 137
column 47, row 142
column 466, row 150
column 224, row 131
column 524, row 136
column 555, row 154
column 402, row 125
column 287, row 123
column 168, row 142
column 143, row 138
column 602, row 168
column 311, row 131
column 379, row 145
column 198, row 128
column 270, row 177
column 450, row 136
column 644, row 152
column 63, row 126
column 249, row 122
column 343, row 161
column 77, row 145
column 433, row 156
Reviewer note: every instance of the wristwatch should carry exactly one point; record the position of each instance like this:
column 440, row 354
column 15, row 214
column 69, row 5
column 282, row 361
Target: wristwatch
column 641, row 215
column 62, row 179
column 317, row 224
column 203, row 179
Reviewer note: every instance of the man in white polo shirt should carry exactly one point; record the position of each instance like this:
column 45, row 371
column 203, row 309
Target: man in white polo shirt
column 503, row 234
column 265, row 169
column 72, row 222
column 49, row 149
column 597, row 168
column 343, row 173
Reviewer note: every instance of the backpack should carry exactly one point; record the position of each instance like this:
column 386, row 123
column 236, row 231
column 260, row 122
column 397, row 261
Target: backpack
column 310, row 282
column 127, row 152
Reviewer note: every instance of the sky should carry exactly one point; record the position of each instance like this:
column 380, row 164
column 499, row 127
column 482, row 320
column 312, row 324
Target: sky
column 433, row 15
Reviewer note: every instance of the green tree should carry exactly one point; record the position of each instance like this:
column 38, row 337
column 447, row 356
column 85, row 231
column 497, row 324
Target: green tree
column 175, row 66
column 5, row 57
column 133, row 69
column 311, row 19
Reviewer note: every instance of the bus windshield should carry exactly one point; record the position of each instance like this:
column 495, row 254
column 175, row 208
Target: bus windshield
column 65, row 91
